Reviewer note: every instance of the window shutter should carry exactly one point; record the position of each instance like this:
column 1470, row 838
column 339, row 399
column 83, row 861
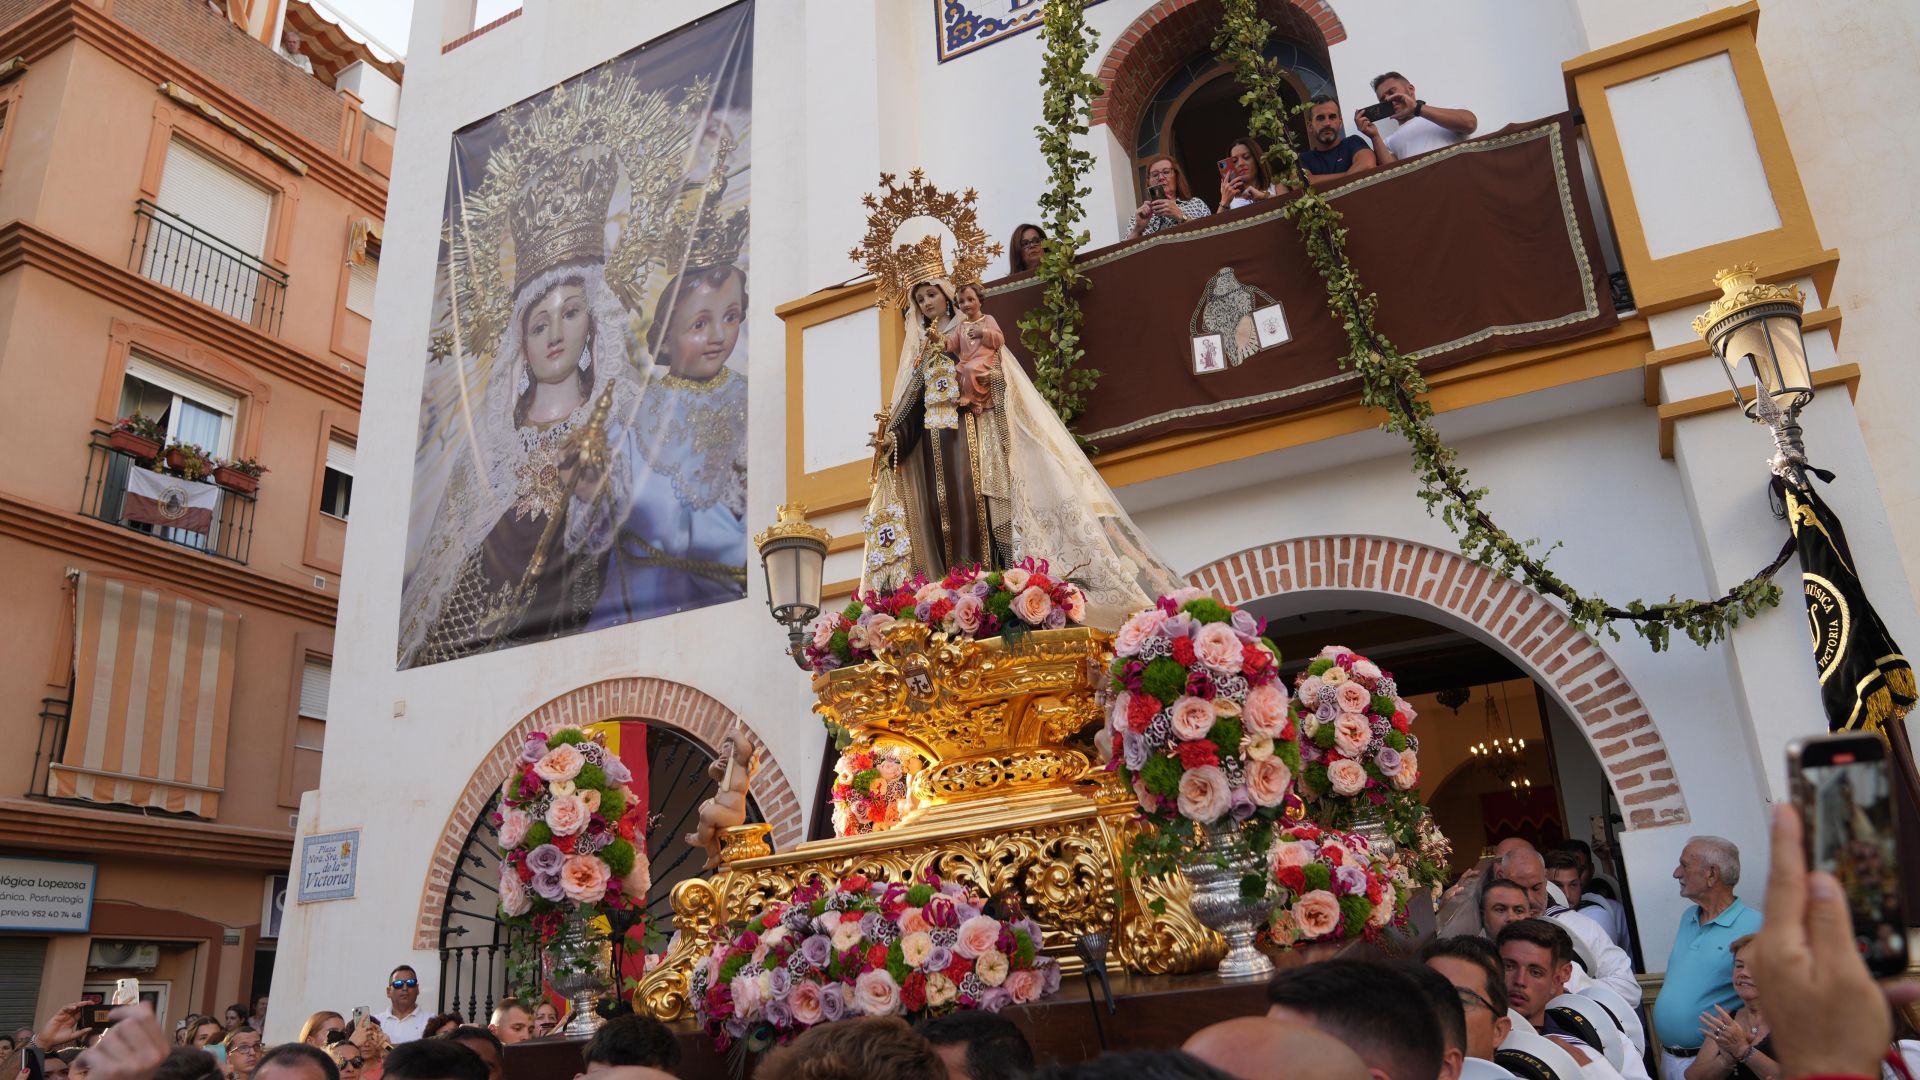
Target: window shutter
column 313, row 688
column 340, row 456
column 216, row 199
column 186, row 386
column 360, row 281
column 22, row 960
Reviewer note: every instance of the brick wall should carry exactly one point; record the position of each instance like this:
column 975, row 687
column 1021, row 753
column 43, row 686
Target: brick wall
column 1554, row 652
column 249, row 70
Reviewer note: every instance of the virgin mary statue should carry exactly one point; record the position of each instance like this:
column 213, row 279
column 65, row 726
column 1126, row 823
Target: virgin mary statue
column 501, row 565
column 974, row 466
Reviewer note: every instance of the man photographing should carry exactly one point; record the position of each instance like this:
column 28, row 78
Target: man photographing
column 1419, row 127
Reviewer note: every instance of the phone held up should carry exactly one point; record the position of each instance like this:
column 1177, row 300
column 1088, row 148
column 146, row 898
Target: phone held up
column 1378, row 111
column 1156, row 192
column 1844, row 791
column 125, row 992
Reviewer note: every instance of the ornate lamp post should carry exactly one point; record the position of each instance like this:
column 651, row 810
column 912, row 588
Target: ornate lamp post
column 793, row 555
column 1754, row 330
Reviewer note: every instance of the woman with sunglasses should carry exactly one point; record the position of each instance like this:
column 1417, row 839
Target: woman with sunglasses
column 349, row 1059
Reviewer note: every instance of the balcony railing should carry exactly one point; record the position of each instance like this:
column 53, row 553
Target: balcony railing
column 104, row 498
column 171, row 250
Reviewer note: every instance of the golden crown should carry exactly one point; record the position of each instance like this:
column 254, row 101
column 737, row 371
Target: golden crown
column 705, row 238
column 899, row 267
column 561, row 215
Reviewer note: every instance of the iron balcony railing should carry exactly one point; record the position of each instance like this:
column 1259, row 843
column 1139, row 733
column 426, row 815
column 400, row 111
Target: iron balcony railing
column 171, row 250
column 104, row 497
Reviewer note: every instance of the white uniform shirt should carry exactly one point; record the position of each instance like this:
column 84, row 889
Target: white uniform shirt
column 1614, row 968
column 1419, row 135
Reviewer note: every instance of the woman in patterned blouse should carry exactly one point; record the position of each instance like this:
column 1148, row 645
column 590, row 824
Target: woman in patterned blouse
column 1175, row 203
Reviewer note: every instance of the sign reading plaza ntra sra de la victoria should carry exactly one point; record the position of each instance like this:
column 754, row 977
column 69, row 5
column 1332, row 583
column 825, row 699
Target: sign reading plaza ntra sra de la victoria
column 327, row 864
column 46, row 895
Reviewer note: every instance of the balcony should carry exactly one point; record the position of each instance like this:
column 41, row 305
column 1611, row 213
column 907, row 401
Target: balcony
column 104, row 497
column 171, row 250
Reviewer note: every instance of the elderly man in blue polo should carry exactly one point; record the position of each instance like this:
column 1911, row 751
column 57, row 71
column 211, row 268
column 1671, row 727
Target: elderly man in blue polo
column 1700, row 970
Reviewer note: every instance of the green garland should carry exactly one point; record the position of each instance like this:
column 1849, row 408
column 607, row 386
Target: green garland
column 1392, row 382
column 1051, row 331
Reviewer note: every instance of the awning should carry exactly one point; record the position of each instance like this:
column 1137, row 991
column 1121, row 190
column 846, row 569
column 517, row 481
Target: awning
column 334, row 44
column 153, row 681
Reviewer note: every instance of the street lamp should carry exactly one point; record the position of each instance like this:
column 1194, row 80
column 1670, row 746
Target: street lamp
column 1754, row 331
column 793, row 555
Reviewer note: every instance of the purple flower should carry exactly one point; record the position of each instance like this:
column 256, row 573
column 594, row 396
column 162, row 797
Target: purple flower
column 921, row 611
column 1134, row 750
column 777, row 1012
column 1388, row 759
column 833, row 1006
column 546, row 859
column 616, row 770
column 996, row 998
column 779, row 983
column 1050, row 973
column 1245, row 623
column 1179, row 626
column 938, row 958
column 1351, row 879
column 980, row 588
column 817, row 949
column 965, row 911
column 548, row 886
column 1055, row 619
column 1242, row 807
column 1328, row 710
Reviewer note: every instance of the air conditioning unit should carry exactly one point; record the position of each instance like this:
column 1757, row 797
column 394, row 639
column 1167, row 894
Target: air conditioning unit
column 123, row 956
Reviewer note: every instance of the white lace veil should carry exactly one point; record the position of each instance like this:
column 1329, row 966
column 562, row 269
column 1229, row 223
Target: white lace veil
column 483, row 481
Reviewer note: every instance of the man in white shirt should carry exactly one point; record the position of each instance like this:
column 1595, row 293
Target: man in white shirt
column 1537, row 957
column 1611, row 966
column 1565, row 870
column 1418, row 126
column 403, row 1021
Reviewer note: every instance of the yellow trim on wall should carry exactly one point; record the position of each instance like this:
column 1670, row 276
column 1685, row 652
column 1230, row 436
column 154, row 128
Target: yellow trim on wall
column 1825, row 319
column 1673, row 412
column 1686, row 278
column 838, row 487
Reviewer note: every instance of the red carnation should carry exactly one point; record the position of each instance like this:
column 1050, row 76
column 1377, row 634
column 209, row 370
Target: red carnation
column 939, row 610
column 1288, row 734
column 1400, row 723
column 854, row 883
column 959, row 969
column 1183, row 651
column 913, row 992
column 1197, row 753
column 877, row 956
column 1375, row 891
column 566, row 843
column 1039, row 581
column 1254, row 659
column 1293, row 878
column 1140, row 712
column 1332, row 855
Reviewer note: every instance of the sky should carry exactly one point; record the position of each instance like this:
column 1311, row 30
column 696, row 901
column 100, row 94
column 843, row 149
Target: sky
column 390, row 20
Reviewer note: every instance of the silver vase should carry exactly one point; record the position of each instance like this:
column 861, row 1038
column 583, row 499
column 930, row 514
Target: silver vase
column 1372, row 826
column 576, row 966
column 1217, row 903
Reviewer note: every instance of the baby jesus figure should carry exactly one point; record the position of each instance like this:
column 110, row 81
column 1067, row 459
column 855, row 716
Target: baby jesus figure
column 975, row 343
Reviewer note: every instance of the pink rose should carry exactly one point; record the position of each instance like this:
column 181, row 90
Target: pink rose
column 1205, row 794
column 1346, row 776
column 1366, row 669
column 639, row 880
column 563, row 762
column 1192, row 717
column 1317, row 914
column 914, row 921
column 1025, row 986
column 1352, row 697
column 1218, row 647
column 878, row 624
column 977, row 935
column 1285, row 932
column 876, row 994
column 1333, row 652
column 1268, row 779
column 748, row 995
column 1117, row 712
column 928, row 593
column 568, row 815
column 1140, row 628
column 1405, row 708
column 1014, row 580
column 592, row 798
column 1351, row 734
column 804, row 1001
column 1289, row 853
column 584, row 878
column 1309, row 691
column 1407, row 777
column 824, row 628
column 1265, row 712
column 1032, row 605
column 966, row 613
column 1076, row 605
column 1382, row 911
column 513, row 828
column 514, row 900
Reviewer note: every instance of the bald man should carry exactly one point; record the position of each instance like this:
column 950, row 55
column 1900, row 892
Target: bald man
column 1262, row 1048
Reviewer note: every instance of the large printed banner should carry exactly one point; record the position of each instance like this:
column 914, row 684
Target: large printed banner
column 581, row 460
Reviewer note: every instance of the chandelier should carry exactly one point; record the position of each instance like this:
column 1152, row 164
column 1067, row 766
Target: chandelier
column 1500, row 753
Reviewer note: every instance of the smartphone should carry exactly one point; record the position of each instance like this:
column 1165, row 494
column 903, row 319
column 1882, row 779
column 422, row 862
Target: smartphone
column 1156, row 192
column 1378, row 111
column 1844, row 788
column 1226, row 165
column 126, row 992
column 360, row 1014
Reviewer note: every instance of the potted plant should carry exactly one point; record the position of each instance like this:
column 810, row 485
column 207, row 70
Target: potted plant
column 138, row 436
column 239, row 474
column 185, row 460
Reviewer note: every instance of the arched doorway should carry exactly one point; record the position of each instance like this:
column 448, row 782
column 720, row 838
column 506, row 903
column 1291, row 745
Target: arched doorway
column 1196, row 114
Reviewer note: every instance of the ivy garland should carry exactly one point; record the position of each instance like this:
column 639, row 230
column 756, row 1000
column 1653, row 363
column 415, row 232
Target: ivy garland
column 1051, row 331
column 1392, row 382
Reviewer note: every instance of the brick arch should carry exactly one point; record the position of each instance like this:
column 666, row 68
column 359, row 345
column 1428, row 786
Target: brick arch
column 1171, row 32
column 656, row 701
column 1529, row 628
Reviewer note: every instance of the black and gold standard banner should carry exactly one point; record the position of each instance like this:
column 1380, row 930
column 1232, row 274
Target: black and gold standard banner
column 1864, row 680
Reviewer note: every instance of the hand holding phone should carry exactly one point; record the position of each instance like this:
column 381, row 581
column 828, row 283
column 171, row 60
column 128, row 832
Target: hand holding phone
column 1843, row 788
column 126, row 991
column 1378, row 111
column 1156, row 192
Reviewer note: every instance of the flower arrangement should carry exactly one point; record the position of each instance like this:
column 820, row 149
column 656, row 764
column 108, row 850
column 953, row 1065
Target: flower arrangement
column 567, row 825
column 970, row 602
column 1200, row 722
column 866, row 948
column 1331, row 886
column 185, row 460
column 872, row 788
column 1360, row 757
column 144, row 427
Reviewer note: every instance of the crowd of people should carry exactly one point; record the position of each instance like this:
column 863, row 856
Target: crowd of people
column 1537, row 987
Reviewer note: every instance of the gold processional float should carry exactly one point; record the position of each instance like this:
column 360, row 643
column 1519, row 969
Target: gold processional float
column 1014, row 798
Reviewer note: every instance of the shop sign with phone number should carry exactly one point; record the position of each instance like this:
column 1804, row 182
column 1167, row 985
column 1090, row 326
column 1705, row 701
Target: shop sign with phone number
column 46, row 895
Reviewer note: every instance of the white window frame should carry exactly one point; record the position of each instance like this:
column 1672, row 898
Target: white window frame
column 185, row 387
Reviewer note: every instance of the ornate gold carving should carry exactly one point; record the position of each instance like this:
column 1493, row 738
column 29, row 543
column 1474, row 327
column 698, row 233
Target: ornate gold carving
column 1740, row 289
column 999, row 774
column 751, row 841
column 902, row 266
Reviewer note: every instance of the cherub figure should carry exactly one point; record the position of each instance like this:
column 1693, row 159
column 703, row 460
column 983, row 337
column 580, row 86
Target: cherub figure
column 734, row 770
